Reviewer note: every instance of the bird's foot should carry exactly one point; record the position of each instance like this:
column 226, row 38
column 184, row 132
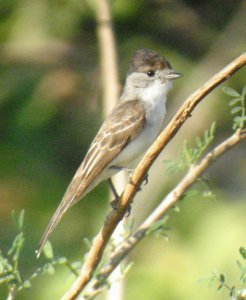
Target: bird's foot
column 145, row 181
column 114, row 205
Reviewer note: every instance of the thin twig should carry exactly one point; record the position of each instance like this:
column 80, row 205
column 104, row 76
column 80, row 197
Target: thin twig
column 169, row 201
column 114, row 217
column 12, row 293
column 108, row 56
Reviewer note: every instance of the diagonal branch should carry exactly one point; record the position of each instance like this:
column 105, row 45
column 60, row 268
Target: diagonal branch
column 115, row 216
column 169, row 201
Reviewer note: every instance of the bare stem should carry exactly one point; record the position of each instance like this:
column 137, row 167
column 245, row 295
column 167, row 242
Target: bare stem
column 12, row 293
column 108, row 55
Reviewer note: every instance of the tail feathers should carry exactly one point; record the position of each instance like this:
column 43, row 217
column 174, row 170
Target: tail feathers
column 74, row 192
column 53, row 222
column 77, row 189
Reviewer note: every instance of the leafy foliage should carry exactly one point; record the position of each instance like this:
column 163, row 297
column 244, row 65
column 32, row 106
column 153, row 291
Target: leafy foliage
column 10, row 273
column 234, row 293
column 238, row 104
column 159, row 228
column 190, row 155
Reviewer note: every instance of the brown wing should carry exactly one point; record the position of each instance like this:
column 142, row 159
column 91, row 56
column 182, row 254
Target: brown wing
column 123, row 124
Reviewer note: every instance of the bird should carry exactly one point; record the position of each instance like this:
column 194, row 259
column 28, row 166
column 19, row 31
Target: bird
column 126, row 133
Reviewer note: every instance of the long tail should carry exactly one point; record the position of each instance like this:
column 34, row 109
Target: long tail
column 75, row 191
column 52, row 224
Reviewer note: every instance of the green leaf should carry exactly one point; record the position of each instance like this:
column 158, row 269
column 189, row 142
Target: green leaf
column 236, row 109
column 208, row 193
column 61, row 260
column 206, row 136
column 237, row 119
column 21, row 219
column 7, row 278
column 158, row 225
column 76, row 264
column 233, row 291
column 238, row 123
column 16, row 245
column 242, row 251
column 87, row 242
column 235, row 126
column 49, row 269
column 234, row 101
column 18, row 219
column 222, row 278
column 126, row 269
column 48, row 251
column 27, row 284
column 190, row 193
column 172, row 167
column 176, row 208
column 208, row 279
column 230, row 92
column 212, row 128
column 199, row 142
column 244, row 91
column 7, row 267
column 189, row 156
column 222, row 281
column 240, row 266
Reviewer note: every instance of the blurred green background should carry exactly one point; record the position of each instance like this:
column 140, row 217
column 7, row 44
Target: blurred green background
column 50, row 109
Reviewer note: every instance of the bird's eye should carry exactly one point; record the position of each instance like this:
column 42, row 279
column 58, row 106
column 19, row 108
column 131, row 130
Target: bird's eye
column 150, row 73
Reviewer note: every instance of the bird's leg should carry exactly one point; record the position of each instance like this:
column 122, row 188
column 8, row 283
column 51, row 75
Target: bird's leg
column 116, row 196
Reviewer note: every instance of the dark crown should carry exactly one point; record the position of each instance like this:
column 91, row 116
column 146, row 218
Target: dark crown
column 145, row 59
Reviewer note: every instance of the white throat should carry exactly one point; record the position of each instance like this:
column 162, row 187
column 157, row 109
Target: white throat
column 154, row 97
column 155, row 92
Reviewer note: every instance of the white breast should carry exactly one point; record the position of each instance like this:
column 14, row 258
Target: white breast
column 154, row 99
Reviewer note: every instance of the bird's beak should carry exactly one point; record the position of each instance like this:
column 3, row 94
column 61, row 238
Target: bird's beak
column 172, row 74
column 169, row 74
